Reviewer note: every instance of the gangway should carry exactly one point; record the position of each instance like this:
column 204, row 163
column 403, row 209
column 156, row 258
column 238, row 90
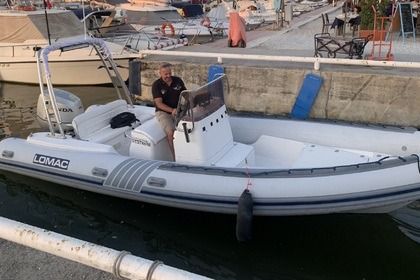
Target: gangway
column 382, row 38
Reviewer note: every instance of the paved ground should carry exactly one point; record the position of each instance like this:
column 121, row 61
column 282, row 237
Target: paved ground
column 19, row 262
column 298, row 40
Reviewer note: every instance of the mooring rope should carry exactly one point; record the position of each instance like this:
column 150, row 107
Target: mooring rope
column 248, row 175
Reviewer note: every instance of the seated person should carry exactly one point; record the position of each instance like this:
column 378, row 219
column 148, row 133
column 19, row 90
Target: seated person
column 390, row 10
column 166, row 91
column 356, row 20
column 337, row 23
column 414, row 10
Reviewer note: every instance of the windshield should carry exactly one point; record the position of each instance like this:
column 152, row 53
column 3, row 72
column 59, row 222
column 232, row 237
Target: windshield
column 195, row 105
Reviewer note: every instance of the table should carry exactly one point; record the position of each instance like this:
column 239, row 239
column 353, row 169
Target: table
column 345, row 18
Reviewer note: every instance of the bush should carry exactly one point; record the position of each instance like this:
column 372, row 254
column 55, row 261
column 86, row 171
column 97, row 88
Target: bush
column 367, row 15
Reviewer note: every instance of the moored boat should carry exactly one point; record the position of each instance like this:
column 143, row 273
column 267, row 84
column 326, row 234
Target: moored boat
column 24, row 32
column 286, row 166
column 221, row 16
column 105, row 25
column 166, row 20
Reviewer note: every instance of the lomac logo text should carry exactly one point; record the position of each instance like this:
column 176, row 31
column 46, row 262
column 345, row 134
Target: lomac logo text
column 51, row 161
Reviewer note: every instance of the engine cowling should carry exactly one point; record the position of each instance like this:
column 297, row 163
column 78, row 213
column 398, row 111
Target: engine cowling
column 69, row 106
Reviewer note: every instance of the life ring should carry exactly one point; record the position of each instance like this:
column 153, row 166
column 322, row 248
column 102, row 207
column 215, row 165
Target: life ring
column 171, row 28
column 205, row 21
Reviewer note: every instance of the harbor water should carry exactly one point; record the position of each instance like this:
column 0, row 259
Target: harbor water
column 346, row 246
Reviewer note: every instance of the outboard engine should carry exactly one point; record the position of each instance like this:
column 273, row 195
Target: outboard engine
column 69, row 106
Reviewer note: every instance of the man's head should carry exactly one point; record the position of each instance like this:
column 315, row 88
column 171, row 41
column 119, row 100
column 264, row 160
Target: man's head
column 165, row 72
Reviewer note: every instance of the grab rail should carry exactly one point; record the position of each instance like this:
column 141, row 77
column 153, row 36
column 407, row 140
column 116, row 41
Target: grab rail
column 317, row 61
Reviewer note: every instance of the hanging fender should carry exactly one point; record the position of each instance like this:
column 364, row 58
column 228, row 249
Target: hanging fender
column 171, row 28
column 244, row 216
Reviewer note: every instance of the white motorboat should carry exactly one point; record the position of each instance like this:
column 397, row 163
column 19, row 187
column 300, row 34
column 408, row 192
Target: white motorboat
column 221, row 15
column 246, row 165
column 165, row 19
column 105, row 25
column 257, row 9
column 24, row 32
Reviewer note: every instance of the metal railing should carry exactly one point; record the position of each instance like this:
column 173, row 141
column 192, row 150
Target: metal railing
column 317, row 61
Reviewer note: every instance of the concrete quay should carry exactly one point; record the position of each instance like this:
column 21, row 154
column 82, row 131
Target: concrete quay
column 363, row 94
column 21, row 262
column 348, row 93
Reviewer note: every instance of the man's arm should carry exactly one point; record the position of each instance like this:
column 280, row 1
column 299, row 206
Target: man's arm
column 159, row 103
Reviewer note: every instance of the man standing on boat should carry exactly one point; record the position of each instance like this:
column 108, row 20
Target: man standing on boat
column 166, row 91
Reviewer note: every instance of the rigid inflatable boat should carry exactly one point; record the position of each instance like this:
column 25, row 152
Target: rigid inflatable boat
column 285, row 166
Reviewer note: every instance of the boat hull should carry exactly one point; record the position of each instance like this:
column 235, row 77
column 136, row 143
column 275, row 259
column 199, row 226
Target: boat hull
column 78, row 66
column 377, row 187
column 80, row 71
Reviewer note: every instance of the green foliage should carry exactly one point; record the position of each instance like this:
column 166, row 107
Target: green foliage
column 367, row 15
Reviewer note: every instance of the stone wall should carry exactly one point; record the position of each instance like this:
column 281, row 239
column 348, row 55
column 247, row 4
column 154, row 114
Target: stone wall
column 353, row 94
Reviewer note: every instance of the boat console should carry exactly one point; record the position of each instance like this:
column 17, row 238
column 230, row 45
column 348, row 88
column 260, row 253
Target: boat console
column 204, row 135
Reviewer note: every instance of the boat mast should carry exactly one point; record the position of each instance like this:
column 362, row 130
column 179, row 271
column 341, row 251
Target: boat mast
column 46, row 19
column 84, row 17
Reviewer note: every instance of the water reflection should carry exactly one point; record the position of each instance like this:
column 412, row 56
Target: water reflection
column 144, row 230
column 18, row 109
column 19, row 105
column 408, row 219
